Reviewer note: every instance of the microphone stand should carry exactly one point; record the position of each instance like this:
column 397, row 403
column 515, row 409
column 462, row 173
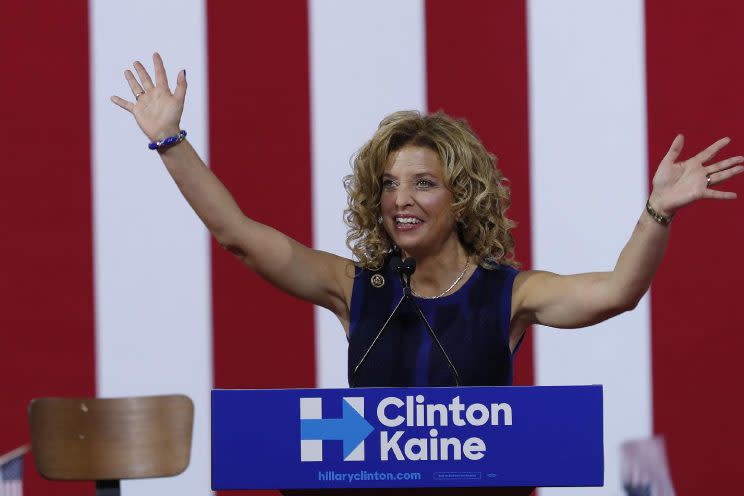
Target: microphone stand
column 405, row 270
column 374, row 341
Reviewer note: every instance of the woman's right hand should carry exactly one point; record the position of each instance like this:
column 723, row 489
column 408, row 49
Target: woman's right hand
column 156, row 110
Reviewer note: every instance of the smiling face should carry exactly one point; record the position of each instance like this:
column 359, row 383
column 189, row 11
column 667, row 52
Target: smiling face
column 416, row 204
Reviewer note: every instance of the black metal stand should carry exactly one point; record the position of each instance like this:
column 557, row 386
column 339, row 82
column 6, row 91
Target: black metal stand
column 407, row 296
column 107, row 488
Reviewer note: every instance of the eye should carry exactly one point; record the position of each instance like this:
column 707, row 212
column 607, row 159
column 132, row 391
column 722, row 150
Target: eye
column 389, row 184
column 425, row 183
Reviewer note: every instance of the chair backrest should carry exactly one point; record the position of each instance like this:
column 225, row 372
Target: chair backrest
column 111, row 439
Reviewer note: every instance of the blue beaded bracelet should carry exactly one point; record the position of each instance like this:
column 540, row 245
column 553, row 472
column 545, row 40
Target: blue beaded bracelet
column 169, row 141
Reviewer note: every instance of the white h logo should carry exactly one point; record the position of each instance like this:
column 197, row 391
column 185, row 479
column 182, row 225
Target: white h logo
column 351, row 428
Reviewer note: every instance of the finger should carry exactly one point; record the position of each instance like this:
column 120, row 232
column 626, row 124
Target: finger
column 675, row 149
column 719, row 177
column 180, row 92
column 161, row 78
column 711, row 151
column 133, row 83
column 125, row 104
column 714, row 194
column 723, row 165
column 144, row 76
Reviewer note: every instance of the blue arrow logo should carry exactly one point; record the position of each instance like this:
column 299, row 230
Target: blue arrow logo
column 351, row 428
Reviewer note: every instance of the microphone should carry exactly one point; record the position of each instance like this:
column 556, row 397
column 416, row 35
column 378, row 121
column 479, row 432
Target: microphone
column 405, row 269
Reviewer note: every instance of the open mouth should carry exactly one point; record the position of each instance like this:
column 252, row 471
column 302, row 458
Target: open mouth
column 407, row 222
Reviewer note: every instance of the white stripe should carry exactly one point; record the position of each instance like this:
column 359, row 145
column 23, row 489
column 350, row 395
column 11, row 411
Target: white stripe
column 152, row 277
column 589, row 185
column 365, row 63
column 11, row 488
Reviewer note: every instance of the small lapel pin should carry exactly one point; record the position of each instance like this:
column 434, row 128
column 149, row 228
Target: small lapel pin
column 377, row 281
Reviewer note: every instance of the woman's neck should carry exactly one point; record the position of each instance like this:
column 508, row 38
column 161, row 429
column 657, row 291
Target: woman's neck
column 436, row 272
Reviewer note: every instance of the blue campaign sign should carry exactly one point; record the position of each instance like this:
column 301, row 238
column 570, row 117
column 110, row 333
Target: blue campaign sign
column 407, row 437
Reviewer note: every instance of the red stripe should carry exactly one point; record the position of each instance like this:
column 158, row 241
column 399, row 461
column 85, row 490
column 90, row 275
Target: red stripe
column 46, row 287
column 694, row 87
column 260, row 147
column 477, row 68
column 259, row 120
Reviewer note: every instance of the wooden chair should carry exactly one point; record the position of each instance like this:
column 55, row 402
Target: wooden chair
column 106, row 440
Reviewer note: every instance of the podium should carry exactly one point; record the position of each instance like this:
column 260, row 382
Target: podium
column 464, row 440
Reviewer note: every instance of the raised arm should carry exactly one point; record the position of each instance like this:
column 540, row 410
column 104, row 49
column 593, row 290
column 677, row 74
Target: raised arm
column 319, row 277
column 583, row 299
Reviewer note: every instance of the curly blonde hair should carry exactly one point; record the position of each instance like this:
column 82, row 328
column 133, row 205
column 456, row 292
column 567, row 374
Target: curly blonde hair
column 481, row 196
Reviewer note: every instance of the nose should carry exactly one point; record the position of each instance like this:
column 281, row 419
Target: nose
column 403, row 197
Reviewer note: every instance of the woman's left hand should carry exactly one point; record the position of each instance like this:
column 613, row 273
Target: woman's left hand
column 677, row 184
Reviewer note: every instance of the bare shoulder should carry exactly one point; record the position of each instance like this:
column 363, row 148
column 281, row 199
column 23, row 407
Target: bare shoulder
column 342, row 271
column 527, row 286
column 528, row 281
column 522, row 315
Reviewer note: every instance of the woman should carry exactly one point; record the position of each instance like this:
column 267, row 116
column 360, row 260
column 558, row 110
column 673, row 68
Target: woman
column 425, row 186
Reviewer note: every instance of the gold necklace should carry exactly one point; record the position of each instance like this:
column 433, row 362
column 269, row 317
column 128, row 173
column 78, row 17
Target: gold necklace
column 459, row 278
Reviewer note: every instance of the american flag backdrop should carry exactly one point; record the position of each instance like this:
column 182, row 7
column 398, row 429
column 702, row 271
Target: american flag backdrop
column 110, row 285
column 11, row 472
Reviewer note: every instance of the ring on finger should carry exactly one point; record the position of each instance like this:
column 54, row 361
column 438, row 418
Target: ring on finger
column 139, row 94
column 707, row 180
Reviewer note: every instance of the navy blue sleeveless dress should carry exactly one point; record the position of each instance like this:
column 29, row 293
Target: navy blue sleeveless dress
column 472, row 324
